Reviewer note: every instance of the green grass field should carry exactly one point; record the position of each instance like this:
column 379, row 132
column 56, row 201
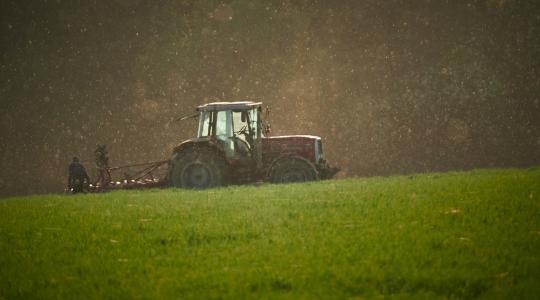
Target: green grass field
column 449, row 235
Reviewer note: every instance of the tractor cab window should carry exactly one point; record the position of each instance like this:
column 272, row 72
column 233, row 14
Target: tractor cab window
column 223, row 125
column 223, row 130
column 204, row 122
column 215, row 123
column 241, row 133
column 219, row 125
column 245, row 124
column 239, row 125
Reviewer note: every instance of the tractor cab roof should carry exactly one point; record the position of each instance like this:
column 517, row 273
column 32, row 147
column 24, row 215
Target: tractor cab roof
column 219, row 106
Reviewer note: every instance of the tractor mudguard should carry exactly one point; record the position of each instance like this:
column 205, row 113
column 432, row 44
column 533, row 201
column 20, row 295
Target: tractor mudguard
column 200, row 143
column 198, row 164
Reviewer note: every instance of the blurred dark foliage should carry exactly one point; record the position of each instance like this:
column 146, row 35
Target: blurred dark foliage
column 393, row 87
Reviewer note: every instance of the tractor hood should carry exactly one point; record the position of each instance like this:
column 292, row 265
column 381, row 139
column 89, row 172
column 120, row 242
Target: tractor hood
column 307, row 146
column 303, row 136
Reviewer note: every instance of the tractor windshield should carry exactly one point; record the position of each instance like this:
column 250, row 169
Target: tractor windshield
column 238, row 124
column 245, row 124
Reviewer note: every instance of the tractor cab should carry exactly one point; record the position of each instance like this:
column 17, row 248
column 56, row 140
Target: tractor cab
column 236, row 125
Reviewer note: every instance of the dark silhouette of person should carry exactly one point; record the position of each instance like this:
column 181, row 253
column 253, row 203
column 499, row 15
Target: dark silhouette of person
column 77, row 176
column 102, row 165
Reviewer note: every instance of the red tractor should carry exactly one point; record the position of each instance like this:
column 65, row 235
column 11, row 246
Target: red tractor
column 231, row 147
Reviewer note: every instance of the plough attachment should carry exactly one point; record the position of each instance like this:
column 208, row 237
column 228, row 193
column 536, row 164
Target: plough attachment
column 136, row 176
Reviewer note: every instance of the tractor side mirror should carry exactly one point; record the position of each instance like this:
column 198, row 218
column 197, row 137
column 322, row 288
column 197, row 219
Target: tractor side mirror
column 266, row 125
column 243, row 116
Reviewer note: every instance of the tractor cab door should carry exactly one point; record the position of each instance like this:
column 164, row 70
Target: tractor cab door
column 242, row 133
column 252, row 134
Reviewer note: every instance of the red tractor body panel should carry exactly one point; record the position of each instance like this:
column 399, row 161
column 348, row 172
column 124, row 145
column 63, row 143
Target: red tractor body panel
column 278, row 146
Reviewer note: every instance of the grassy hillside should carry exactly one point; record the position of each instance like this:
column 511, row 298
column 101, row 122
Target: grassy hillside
column 452, row 235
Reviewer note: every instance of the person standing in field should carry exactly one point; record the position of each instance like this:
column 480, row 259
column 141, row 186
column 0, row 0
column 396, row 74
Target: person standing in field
column 102, row 165
column 77, row 176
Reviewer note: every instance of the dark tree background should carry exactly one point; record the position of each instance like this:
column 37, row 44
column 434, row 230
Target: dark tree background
column 392, row 86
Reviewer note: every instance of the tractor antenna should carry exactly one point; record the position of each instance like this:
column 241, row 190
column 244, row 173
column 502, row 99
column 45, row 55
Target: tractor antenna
column 182, row 118
column 193, row 115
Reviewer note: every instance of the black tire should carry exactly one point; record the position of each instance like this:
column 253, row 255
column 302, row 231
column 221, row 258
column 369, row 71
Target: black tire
column 197, row 168
column 293, row 169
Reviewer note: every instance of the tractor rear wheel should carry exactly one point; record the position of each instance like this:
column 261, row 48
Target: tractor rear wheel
column 197, row 168
column 293, row 169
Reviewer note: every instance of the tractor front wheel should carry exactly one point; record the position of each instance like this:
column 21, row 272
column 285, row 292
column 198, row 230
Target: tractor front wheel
column 293, row 169
column 197, row 168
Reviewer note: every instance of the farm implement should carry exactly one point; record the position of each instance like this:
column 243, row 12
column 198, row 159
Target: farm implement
column 146, row 175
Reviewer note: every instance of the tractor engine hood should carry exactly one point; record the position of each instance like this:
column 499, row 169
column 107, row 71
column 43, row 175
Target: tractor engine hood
column 307, row 146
